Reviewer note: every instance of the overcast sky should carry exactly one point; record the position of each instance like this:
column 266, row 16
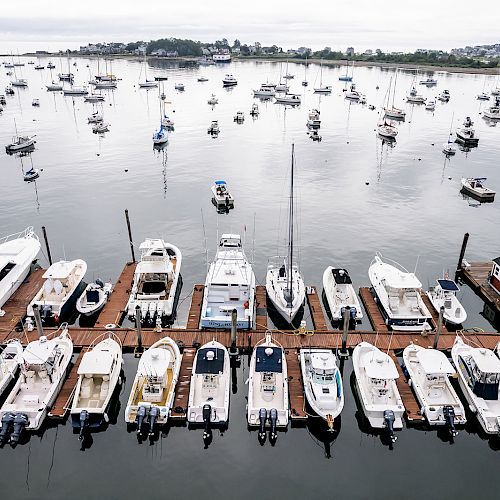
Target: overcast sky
column 396, row 25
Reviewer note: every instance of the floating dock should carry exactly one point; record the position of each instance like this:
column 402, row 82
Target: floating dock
column 180, row 406
column 372, row 310
column 315, row 308
column 194, row 315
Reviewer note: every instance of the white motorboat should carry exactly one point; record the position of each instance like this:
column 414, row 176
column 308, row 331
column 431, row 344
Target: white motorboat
column 210, row 385
column 229, row 81
column 17, row 252
column 66, row 77
column 387, row 130
column 495, row 91
column 268, row 388
column 429, row 82
column 214, row 128
column 449, row 148
column 265, row 92
column 376, row 376
column 293, row 99
column 39, row 66
column 415, row 98
column 430, row 105
column 20, row 82
column 466, row 134
column 160, row 136
column 352, row 94
column 94, row 297
column 284, row 284
column 156, row 282
column 10, row 359
column 202, row 79
column 94, row 98
column 254, row 111
column 59, row 290
column 492, row 113
column 221, row 195
column 313, row 119
column 282, row 87
column 474, row 186
column 54, row 87
column 100, row 127
column 445, row 295
column 479, row 378
column 268, row 85
column 20, row 142
column 444, row 96
column 113, row 85
column 75, row 91
column 179, row 86
column 153, row 390
column 95, row 118
column 239, row 117
column 35, row 102
column 44, row 363
column 397, row 292
column 340, row 294
column 322, row 383
column 483, row 96
column 9, row 90
column 98, row 376
column 213, row 100
column 167, row 122
column 429, row 371
column 31, row 174
column 50, row 65
column 230, row 285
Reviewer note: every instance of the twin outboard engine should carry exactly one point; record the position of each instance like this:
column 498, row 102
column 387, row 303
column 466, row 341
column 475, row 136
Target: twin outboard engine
column 20, row 422
column 7, row 423
column 262, row 423
column 140, row 418
column 449, row 418
column 84, row 422
column 206, row 413
column 273, row 417
column 389, row 419
column 13, row 425
column 153, row 416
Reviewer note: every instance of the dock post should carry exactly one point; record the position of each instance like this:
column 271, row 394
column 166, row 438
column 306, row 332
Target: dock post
column 345, row 332
column 234, row 323
column 462, row 254
column 138, row 326
column 439, row 327
column 130, row 235
column 38, row 320
column 47, row 244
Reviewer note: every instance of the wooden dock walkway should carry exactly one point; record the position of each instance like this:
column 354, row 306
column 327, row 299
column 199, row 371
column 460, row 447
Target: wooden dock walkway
column 193, row 321
column 295, row 389
column 180, row 406
column 412, row 408
column 261, row 308
column 114, row 310
column 62, row 404
column 372, row 310
column 317, row 315
column 15, row 307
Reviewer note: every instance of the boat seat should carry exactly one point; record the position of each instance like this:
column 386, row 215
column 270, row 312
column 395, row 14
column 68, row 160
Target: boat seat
column 394, row 304
column 457, row 312
column 29, row 374
column 86, row 388
column 104, row 389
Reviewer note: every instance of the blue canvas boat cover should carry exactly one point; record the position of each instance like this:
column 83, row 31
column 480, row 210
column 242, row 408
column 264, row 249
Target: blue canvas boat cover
column 265, row 363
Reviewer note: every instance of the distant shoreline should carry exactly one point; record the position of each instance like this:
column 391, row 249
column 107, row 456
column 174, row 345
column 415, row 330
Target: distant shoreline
column 326, row 62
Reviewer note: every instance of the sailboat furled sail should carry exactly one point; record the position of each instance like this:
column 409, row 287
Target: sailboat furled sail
column 284, row 283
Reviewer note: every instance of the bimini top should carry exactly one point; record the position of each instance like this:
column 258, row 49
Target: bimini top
column 60, row 270
column 220, row 182
column 268, row 359
column 379, row 365
column 210, row 360
column 434, row 362
column 96, row 363
column 341, row 276
column 485, row 360
column 39, row 351
column 448, row 285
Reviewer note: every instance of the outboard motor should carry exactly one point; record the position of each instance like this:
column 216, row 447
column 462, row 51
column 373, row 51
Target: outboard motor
column 7, row 422
column 99, row 283
column 45, row 313
column 262, row 423
column 140, row 417
column 207, row 412
column 389, row 419
column 353, row 313
column 20, row 422
column 153, row 416
column 449, row 418
column 273, row 417
column 84, row 422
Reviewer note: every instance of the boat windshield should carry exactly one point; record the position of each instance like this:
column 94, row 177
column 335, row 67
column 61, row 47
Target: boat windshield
column 321, row 378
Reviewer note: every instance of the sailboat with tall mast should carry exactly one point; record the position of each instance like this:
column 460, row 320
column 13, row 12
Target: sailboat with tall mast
column 147, row 84
column 385, row 128
column 346, row 77
column 304, row 81
column 284, row 284
column 393, row 112
column 326, row 89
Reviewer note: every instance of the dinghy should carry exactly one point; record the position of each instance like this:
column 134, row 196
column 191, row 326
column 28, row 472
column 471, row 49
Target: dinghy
column 214, row 128
column 376, row 375
column 44, row 363
column 445, row 294
column 156, row 282
column 31, row 174
column 254, row 111
column 340, row 293
column 239, row 117
column 98, row 375
column 429, row 371
column 479, row 378
column 213, row 100
column 222, row 197
column 59, row 290
column 322, row 383
column 153, row 390
column 93, row 297
column 268, row 388
column 17, row 252
column 209, row 389
column 10, row 358
column 474, row 186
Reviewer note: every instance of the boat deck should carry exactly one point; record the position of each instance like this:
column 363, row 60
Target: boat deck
column 261, row 307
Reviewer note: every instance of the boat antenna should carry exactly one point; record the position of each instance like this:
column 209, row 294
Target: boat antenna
column 204, row 238
column 416, row 264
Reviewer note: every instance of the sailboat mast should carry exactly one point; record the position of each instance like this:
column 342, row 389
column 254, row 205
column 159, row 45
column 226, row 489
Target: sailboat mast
column 394, row 91
column 290, row 231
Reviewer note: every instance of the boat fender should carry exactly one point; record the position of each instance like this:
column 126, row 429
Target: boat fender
column 273, row 417
column 105, row 415
column 449, row 417
column 56, row 319
column 20, row 422
column 389, row 419
column 262, row 423
column 7, row 421
column 206, row 413
column 84, row 421
column 153, row 417
column 246, row 305
column 140, row 417
column 110, row 326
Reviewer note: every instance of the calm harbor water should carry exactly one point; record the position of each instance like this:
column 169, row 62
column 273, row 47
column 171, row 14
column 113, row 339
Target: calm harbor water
column 357, row 196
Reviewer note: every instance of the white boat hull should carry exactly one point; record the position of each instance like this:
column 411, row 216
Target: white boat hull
column 339, row 296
